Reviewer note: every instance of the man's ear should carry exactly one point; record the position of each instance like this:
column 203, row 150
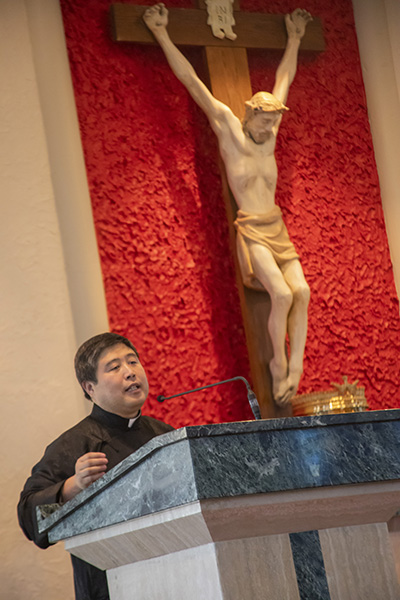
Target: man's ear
column 88, row 387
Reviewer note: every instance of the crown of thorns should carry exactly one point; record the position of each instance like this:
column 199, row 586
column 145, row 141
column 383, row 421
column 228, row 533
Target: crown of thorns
column 265, row 102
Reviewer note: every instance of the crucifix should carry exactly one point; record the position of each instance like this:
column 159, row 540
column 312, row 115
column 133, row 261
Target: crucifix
column 273, row 378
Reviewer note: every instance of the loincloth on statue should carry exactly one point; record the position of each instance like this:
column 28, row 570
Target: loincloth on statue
column 269, row 231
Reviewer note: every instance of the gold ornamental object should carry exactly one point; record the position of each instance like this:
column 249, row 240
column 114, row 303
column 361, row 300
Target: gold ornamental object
column 345, row 398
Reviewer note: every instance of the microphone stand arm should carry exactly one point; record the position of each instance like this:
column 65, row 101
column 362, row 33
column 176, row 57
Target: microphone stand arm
column 250, row 394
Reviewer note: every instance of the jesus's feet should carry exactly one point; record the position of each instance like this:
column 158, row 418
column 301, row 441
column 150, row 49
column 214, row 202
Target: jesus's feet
column 294, row 380
column 279, row 379
column 284, row 384
column 288, row 388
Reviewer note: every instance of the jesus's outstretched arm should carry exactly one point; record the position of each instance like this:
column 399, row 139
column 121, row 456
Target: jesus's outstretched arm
column 156, row 19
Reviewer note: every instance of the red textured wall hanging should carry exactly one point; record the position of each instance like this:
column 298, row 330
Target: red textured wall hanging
column 163, row 238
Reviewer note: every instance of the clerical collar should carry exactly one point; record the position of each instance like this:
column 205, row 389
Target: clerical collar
column 131, row 421
column 112, row 420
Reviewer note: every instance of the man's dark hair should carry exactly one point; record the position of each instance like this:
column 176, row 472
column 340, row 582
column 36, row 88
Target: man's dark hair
column 88, row 354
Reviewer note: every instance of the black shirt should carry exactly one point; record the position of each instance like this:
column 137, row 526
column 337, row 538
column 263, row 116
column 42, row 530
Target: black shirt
column 101, row 431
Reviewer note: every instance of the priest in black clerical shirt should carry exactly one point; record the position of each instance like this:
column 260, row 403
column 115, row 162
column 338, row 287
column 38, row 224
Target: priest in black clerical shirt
column 108, row 368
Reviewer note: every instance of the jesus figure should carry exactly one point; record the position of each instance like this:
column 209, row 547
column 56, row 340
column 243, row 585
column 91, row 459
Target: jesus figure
column 267, row 258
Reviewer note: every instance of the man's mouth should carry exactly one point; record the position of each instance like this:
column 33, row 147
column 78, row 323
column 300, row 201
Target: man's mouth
column 133, row 387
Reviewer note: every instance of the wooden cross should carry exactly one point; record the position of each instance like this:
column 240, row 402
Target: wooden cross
column 229, row 81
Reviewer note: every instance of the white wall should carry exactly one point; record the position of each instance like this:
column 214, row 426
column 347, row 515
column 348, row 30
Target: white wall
column 378, row 32
column 67, row 167
column 38, row 329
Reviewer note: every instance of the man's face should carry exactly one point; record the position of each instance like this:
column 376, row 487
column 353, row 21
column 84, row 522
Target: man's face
column 122, row 385
column 260, row 126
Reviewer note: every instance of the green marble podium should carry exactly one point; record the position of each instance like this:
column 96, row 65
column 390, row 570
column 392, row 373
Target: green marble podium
column 293, row 508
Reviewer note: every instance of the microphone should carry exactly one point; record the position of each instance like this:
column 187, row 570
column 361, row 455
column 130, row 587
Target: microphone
column 251, row 397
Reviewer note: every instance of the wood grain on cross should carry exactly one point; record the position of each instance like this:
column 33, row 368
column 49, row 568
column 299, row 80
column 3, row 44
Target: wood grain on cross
column 229, row 81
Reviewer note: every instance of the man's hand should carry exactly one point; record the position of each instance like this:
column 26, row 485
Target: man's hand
column 88, row 468
column 296, row 23
column 156, row 17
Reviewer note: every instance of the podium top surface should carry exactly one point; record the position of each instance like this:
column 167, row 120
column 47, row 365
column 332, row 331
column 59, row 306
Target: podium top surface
column 232, row 459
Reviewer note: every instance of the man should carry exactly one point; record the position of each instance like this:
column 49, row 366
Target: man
column 108, row 368
column 267, row 258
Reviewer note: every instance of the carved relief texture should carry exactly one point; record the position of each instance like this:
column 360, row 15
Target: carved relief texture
column 162, row 233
